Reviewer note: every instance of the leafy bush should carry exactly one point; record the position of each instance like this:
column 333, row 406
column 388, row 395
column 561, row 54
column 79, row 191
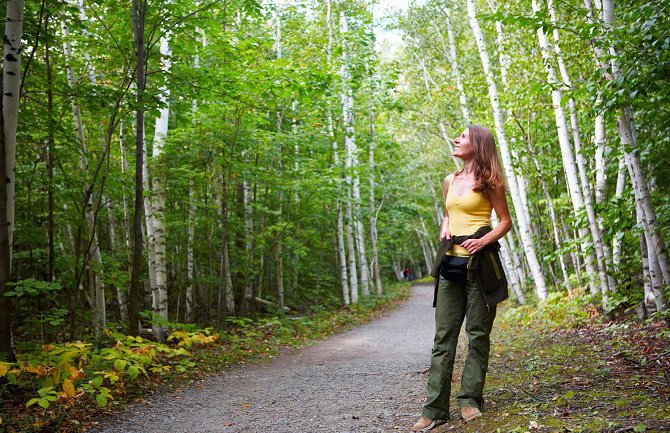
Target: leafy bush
column 559, row 310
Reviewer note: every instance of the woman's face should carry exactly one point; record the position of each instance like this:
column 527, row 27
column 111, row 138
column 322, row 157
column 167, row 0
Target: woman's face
column 463, row 148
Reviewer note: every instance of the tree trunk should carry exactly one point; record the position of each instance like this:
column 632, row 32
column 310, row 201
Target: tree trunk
column 93, row 258
column 618, row 193
column 119, row 291
column 453, row 60
column 512, row 274
column 10, row 102
column 373, row 213
column 190, row 256
column 607, row 281
column 51, row 144
column 139, row 12
column 570, row 167
column 631, row 148
column 342, row 259
column 352, row 159
column 524, row 229
column 158, row 202
column 6, row 307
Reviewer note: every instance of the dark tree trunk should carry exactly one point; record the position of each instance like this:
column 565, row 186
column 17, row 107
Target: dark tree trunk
column 139, row 11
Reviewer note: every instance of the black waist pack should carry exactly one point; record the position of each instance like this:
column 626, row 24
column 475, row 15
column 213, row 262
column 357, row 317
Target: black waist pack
column 454, row 268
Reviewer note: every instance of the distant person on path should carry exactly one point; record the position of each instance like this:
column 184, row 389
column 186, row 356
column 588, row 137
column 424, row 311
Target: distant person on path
column 470, row 281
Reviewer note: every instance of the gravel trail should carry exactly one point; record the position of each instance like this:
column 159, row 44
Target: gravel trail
column 370, row 379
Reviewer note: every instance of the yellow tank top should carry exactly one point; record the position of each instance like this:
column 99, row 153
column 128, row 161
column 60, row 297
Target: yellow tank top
column 467, row 213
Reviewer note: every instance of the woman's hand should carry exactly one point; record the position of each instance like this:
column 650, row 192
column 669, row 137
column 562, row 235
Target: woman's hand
column 473, row 245
column 444, row 234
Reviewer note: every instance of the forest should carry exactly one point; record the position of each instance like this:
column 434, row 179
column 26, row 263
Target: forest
column 179, row 169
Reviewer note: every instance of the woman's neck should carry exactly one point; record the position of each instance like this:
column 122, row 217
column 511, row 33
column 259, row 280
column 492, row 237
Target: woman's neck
column 468, row 168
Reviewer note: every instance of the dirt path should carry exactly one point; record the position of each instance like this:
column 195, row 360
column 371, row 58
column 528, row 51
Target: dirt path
column 366, row 380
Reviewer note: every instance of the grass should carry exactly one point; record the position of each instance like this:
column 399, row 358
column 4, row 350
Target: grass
column 550, row 372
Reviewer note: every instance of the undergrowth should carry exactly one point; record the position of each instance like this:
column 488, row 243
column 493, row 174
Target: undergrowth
column 62, row 387
column 561, row 367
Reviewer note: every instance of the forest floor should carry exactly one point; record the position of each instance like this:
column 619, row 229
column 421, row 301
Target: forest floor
column 604, row 378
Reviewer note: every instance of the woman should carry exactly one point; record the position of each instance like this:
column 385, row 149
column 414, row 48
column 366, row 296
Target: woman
column 470, row 277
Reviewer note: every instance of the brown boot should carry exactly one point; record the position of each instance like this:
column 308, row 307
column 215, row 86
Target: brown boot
column 469, row 413
column 425, row 424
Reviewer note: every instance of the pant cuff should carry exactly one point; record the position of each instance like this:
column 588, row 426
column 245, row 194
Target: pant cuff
column 435, row 414
column 467, row 402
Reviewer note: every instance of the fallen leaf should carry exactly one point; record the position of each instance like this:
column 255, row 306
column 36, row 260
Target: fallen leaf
column 68, row 387
column 533, row 425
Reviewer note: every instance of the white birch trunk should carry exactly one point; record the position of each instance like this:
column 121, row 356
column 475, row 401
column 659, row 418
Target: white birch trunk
column 569, row 165
column 10, row 100
column 638, row 176
column 503, row 61
column 149, row 225
column 654, row 285
column 529, row 247
column 248, row 231
column 646, row 277
column 94, row 256
column 601, row 155
column 353, row 271
column 618, row 237
column 453, row 60
column 397, row 271
column 225, row 257
column 511, row 272
column 296, row 200
column 607, row 281
column 279, row 250
column 642, row 193
column 190, row 256
column 342, row 260
column 431, row 247
column 126, row 214
column 120, row 292
column 424, row 250
column 373, row 214
column 159, row 180
column 352, row 163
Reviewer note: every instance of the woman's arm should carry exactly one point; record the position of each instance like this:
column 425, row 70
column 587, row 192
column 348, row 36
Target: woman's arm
column 444, row 230
column 499, row 202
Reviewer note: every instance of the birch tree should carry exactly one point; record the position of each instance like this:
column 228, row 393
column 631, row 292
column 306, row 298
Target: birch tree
column 160, row 298
column 578, row 200
column 10, row 100
column 339, row 228
column 92, row 253
column 524, row 228
column 630, row 146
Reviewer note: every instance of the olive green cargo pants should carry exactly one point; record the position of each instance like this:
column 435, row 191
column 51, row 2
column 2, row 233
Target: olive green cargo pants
column 456, row 301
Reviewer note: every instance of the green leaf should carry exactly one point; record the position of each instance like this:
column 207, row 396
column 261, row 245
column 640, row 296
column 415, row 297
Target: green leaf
column 120, row 364
column 32, row 401
column 43, row 402
column 96, row 382
column 101, row 399
column 640, row 427
column 133, row 371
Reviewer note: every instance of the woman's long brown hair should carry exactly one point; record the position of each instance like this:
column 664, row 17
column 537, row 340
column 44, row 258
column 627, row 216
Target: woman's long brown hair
column 488, row 171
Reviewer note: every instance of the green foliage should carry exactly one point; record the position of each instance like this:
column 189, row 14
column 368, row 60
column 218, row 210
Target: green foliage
column 32, row 287
column 558, row 311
